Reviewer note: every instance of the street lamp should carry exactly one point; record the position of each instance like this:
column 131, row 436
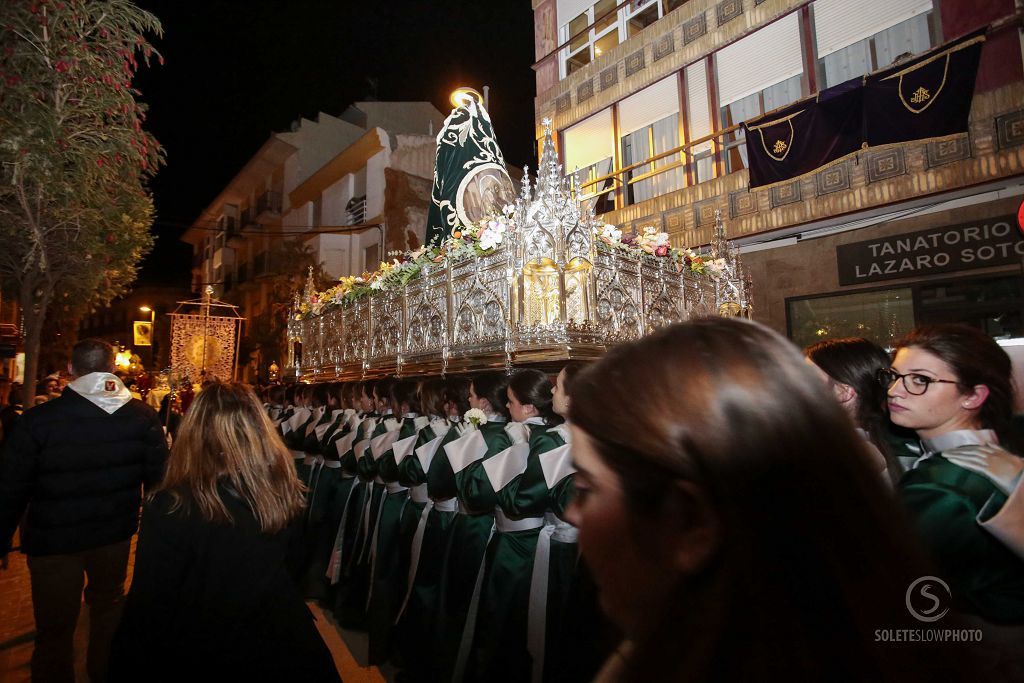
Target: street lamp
column 152, row 335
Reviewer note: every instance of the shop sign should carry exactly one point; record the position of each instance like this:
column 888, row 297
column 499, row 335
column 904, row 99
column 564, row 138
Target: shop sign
column 994, row 242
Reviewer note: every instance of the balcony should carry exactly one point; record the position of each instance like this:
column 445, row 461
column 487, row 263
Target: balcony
column 355, row 210
column 268, row 205
column 993, row 150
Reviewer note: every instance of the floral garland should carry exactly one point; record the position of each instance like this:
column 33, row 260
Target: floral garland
column 650, row 242
column 481, row 239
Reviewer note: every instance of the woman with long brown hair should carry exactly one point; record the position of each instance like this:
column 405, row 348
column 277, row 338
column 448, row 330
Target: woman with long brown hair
column 211, row 594
column 723, row 547
column 952, row 385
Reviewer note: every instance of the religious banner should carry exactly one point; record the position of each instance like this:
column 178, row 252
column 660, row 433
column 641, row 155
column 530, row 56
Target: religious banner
column 806, row 135
column 203, row 346
column 928, row 96
column 143, row 332
column 470, row 179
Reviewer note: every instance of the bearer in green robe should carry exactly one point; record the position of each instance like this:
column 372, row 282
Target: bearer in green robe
column 387, row 571
column 462, row 572
column 430, row 469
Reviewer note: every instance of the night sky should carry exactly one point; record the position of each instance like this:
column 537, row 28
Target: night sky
column 237, row 71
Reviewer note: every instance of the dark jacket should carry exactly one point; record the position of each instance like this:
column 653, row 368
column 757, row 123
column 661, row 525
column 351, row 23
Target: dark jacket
column 216, row 602
column 79, row 470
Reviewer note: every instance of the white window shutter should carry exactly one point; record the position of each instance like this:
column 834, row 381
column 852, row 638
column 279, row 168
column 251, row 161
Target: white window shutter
column 653, row 103
column 841, row 23
column 698, row 112
column 766, row 57
column 570, row 9
column 589, row 141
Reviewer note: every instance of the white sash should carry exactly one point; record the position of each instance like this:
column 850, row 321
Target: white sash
column 380, row 445
column 420, row 422
column 360, row 448
column 556, row 464
column 470, row 628
column 321, row 430
column 537, row 611
column 505, row 524
column 466, row 450
column 507, row 465
column 334, row 566
column 414, row 559
column 419, row 494
column 403, row 447
column 425, row 453
column 344, row 444
column 317, row 414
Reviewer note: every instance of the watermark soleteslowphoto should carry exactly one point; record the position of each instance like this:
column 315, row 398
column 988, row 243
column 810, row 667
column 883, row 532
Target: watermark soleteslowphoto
column 928, row 599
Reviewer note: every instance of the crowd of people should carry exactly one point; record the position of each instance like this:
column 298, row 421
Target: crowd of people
column 707, row 503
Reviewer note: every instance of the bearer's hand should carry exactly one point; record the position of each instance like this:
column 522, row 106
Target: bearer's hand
column 999, row 466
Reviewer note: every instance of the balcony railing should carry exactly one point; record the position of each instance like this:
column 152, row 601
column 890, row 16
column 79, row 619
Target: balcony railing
column 356, row 211
column 268, row 203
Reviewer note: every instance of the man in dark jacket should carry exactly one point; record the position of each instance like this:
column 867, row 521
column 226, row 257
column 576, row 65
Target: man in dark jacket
column 78, row 463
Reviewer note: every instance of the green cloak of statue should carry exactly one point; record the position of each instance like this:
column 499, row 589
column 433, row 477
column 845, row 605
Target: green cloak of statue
column 470, row 179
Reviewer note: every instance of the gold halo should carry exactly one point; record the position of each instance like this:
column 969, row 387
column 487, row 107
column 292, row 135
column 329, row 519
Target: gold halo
column 460, row 95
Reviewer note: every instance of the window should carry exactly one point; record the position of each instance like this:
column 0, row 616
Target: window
column 698, row 112
column 594, row 28
column 649, row 125
column 746, row 92
column 589, row 151
column 316, row 214
column 854, row 39
column 879, row 316
column 371, row 257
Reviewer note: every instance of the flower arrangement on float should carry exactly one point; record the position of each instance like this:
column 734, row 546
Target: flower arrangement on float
column 482, row 239
column 651, row 242
column 477, row 240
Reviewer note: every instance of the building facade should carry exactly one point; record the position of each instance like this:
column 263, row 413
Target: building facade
column 646, row 96
column 115, row 323
column 350, row 188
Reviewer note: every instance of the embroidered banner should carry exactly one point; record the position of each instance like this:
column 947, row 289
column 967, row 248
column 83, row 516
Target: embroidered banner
column 925, row 97
column 806, row 135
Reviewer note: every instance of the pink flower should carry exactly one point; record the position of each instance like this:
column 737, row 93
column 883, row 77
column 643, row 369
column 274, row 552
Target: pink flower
column 661, row 251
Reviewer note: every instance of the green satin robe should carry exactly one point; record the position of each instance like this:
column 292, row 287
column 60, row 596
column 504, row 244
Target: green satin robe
column 944, row 501
column 467, row 543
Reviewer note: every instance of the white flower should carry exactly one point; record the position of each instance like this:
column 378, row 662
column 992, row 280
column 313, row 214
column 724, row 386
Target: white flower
column 661, row 239
column 491, row 236
column 611, row 232
column 509, row 209
column 377, row 284
column 476, row 417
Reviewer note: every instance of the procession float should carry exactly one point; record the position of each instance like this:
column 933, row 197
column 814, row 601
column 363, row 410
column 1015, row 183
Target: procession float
column 506, row 278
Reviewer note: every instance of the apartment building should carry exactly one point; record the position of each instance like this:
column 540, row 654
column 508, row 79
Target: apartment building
column 646, row 96
column 351, row 187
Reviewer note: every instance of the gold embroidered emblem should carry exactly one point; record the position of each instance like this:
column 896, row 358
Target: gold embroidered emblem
column 779, row 147
column 920, row 95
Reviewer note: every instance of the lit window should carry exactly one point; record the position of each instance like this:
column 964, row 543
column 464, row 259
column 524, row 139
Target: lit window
column 854, row 39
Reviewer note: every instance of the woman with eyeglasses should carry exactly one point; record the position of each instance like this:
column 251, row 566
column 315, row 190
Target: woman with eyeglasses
column 952, row 385
column 721, row 547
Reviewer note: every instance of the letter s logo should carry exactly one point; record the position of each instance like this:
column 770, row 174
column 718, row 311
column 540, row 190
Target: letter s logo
column 924, row 587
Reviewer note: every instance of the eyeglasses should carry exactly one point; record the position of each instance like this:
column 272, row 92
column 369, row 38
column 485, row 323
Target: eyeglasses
column 914, row 383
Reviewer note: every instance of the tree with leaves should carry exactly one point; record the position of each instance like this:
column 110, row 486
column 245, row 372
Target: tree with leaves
column 75, row 211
